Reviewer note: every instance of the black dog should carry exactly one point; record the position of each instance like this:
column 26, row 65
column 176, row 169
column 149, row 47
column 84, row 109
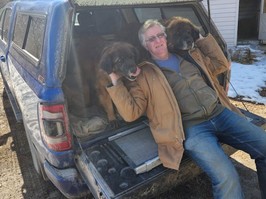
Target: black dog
column 181, row 34
column 122, row 59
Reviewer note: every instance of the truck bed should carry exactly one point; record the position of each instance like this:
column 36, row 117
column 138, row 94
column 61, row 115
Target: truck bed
column 126, row 164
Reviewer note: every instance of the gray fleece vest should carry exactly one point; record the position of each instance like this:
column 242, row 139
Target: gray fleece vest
column 197, row 101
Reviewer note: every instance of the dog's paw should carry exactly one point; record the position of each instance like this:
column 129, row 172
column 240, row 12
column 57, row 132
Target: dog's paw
column 113, row 124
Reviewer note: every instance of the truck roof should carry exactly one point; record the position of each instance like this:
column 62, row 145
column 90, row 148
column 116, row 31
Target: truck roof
column 124, row 2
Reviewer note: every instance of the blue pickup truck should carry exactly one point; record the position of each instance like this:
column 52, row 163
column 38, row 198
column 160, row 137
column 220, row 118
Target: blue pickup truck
column 45, row 62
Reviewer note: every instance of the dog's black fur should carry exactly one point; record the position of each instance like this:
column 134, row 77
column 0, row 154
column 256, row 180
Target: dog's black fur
column 181, row 34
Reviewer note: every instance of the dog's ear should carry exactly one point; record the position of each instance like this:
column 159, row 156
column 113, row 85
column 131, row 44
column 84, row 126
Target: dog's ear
column 106, row 61
column 136, row 54
column 195, row 32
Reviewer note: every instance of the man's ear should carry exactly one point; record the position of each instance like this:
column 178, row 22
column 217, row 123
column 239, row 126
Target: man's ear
column 145, row 46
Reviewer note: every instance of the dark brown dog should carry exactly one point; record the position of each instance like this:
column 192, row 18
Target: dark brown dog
column 120, row 58
column 181, row 34
column 95, row 58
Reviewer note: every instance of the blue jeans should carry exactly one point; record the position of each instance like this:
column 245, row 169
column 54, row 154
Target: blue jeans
column 203, row 145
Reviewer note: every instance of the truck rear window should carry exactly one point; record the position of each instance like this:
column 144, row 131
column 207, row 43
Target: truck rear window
column 144, row 14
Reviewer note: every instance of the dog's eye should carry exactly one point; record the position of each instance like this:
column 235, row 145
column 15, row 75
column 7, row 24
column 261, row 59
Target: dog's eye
column 118, row 61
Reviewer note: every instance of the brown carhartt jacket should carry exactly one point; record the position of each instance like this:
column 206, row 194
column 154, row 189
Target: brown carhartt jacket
column 151, row 94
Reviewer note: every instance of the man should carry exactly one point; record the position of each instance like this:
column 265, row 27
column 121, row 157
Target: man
column 186, row 103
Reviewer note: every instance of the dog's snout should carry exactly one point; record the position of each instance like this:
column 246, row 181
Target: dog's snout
column 189, row 41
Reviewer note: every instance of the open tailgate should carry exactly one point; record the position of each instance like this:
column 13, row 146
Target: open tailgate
column 122, row 164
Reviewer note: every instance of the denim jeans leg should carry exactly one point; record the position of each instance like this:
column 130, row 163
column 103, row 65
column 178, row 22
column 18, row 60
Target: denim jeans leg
column 261, row 170
column 203, row 147
column 236, row 131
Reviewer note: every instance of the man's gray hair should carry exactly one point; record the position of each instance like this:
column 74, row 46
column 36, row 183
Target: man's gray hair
column 148, row 24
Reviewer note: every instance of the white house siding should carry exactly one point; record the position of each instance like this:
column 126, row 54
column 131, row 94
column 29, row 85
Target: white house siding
column 225, row 16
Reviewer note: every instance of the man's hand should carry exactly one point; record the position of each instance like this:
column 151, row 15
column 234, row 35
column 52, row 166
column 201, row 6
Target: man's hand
column 114, row 78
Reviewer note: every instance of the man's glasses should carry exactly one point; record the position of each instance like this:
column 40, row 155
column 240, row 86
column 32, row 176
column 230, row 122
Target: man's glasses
column 153, row 38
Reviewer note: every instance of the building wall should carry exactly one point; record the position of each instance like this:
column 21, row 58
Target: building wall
column 225, row 16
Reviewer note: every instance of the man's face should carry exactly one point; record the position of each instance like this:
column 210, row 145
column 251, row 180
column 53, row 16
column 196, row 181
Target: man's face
column 156, row 42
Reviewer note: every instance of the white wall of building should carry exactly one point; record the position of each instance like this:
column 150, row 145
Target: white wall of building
column 225, row 16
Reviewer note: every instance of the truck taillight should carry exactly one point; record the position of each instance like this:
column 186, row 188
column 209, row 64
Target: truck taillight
column 55, row 127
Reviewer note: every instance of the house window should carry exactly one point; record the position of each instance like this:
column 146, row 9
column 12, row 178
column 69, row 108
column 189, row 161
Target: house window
column 29, row 33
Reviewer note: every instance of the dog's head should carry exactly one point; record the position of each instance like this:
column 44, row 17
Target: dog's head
column 181, row 34
column 120, row 58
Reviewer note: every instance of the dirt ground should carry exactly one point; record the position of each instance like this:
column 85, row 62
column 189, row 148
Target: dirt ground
column 18, row 178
